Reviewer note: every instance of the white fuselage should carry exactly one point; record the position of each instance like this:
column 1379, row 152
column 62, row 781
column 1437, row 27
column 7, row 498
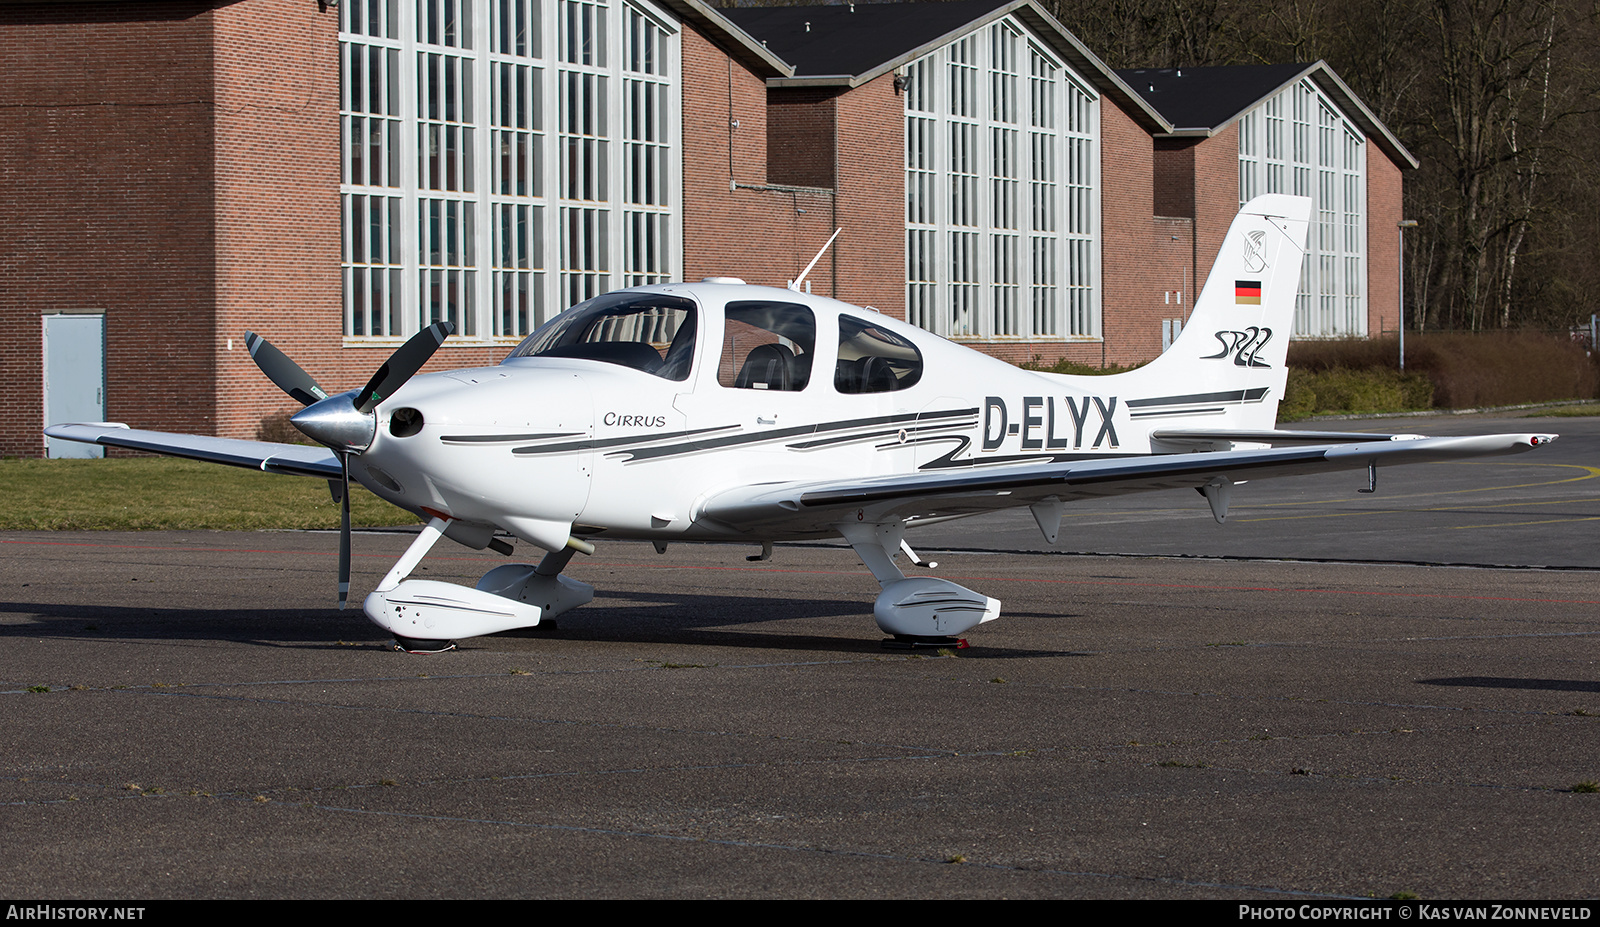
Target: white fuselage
column 542, row 446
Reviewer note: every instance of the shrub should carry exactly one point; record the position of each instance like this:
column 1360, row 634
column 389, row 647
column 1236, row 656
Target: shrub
column 278, row 429
column 1341, row 389
column 1461, row 370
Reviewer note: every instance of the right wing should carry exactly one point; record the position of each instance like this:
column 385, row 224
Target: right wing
column 297, row 459
column 818, row 505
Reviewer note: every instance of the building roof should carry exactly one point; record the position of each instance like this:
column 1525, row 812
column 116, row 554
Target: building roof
column 738, row 43
column 1205, row 101
column 848, row 44
column 853, row 39
column 1205, row 98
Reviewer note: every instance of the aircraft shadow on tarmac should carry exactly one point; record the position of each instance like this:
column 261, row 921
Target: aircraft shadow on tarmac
column 648, row 618
column 1506, row 682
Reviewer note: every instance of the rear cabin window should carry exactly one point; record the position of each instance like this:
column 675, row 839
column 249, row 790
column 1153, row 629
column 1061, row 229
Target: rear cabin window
column 872, row 360
column 767, row 345
column 651, row 332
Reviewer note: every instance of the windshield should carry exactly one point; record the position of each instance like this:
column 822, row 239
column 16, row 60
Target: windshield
column 651, row 332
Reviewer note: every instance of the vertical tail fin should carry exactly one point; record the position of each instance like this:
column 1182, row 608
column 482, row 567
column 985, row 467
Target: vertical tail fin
column 1226, row 369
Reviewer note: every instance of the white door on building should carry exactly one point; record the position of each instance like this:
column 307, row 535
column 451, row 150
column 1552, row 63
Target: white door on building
column 74, row 378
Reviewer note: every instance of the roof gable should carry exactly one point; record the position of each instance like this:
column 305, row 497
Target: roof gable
column 1204, row 101
column 850, row 44
column 855, row 39
column 1208, row 98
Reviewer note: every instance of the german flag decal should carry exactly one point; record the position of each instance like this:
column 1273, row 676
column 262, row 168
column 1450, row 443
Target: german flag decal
column 1247, row 292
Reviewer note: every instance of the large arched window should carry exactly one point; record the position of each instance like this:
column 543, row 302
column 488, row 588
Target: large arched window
column 1002, row 191
column 504, row 160
column 1297, row 142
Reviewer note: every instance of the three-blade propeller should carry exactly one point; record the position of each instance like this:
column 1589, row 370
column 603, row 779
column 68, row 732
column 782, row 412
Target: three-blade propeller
column 345, row 422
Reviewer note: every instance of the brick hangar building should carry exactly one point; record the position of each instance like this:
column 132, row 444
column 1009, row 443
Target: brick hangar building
column 336, row 175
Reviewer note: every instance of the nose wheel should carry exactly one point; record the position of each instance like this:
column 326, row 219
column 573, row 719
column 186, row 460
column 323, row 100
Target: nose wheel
column 422, row 646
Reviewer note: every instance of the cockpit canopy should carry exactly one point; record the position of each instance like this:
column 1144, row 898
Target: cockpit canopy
column 767, row 344
column 652, row 332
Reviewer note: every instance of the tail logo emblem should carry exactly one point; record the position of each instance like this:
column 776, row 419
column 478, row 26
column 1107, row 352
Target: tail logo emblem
column 1255, row 258
column 1244, row 346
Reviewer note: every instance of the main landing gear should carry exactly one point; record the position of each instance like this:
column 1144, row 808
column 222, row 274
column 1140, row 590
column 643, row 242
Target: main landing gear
column 921, row 611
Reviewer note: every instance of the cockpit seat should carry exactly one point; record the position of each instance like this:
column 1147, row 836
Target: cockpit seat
column 768, row 366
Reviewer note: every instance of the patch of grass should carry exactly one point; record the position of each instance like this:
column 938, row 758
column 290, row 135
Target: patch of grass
column 165, row 493
column 38, row 688
column 1579, row 411
column 1587, row 786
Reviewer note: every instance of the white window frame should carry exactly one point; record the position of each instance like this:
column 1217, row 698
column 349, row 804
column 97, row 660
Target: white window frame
column 1002, row 191
column 625, row 243
column 1297, row 141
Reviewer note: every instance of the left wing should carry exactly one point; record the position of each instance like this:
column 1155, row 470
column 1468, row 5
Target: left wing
column 296, row 459
column 945, row 493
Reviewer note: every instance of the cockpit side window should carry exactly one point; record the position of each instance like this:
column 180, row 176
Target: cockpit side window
column 872, row 360
column 651, row 332
column 767, row 345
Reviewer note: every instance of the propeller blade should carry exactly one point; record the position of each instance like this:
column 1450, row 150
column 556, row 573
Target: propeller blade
column 281, row 370
column 344, row 531
column 402, row 365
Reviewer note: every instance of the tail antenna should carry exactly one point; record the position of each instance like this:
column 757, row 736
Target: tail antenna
column 795, row 284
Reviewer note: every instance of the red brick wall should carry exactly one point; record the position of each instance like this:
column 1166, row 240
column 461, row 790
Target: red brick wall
column 1216, row 195
column 751, row 231
column 1131, row 266
column 277, row 204
column 106, row 173
column 1384, row 212
column 802, row 134
column 1173, row 180
column 871, row 168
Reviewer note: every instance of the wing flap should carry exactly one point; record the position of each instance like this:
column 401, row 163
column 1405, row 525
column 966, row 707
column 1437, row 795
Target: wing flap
column 1223, row 439
column 978, row 489
column 295, row 459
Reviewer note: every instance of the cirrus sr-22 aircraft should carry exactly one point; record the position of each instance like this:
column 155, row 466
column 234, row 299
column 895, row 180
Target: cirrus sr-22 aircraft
column 718, row 411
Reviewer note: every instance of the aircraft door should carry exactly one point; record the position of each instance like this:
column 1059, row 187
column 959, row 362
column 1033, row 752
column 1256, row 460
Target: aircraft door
column 752, row 399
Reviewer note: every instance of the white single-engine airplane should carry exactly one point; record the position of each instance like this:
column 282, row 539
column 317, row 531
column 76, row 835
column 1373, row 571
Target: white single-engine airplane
column 719, row 411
